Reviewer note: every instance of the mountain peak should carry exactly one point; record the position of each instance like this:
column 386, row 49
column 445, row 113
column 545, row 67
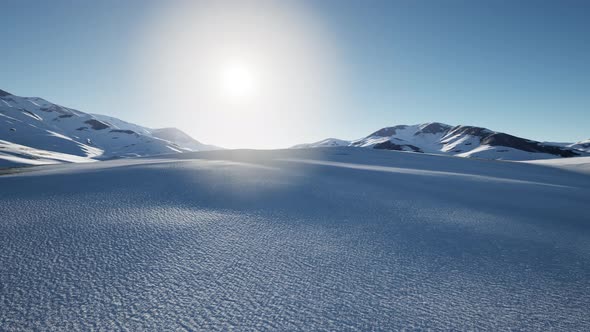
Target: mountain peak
column 434, row 128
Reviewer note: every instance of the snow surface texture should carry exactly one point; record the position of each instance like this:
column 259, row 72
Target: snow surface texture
column 34, row 131
column 460, row 141
column 339, row 239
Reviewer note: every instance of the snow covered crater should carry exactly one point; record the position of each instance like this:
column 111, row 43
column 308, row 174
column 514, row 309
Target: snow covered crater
column 338, row 239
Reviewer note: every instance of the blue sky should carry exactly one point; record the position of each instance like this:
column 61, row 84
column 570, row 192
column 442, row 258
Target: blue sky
column 515, row 66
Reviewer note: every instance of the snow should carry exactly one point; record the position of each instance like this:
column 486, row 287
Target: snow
column 43, row 126
column 503, row 153
column 459, row 141
column 582, row 145
column 578, row 164
column 182, row 139
column 341, row 239
column 13, row 155
column 427, row 142
column 328, row 142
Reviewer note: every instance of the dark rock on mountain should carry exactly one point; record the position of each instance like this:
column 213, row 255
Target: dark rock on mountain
column 388, row 145
column 123, row 131
column 58, row 109
column 470, row 130
column 388, row 131
column 433, row 128
column 501, row 139
column 96, row 124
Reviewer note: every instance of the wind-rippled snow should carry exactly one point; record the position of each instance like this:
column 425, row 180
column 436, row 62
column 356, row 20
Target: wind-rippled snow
column 326, row 239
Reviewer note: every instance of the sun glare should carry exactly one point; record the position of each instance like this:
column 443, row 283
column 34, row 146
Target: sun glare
column 239, row 82
column 239, row 72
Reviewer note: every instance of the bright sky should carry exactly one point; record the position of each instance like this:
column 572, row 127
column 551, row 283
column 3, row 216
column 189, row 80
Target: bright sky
column 271, row 74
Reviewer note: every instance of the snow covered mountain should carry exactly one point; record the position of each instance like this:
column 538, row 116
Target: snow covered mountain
column 581, row 145
column 461, row 141
column 328, row 142
column 181, row 138
column 36, row 131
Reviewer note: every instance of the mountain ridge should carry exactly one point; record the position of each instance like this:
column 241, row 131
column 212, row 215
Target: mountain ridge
column 458, row 140
column 35, row 131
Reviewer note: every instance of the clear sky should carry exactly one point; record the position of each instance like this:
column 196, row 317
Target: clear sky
column 266, row 74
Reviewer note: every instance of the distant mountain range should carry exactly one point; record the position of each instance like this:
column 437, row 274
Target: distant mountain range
column 461, row 141
column 35, row 131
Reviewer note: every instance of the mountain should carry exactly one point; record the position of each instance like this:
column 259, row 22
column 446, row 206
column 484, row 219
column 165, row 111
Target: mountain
column 36, row 131
column 581, row 145
column 461, row 141
column 181, row 138
column 328, row 142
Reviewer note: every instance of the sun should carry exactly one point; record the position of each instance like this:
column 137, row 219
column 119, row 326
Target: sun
column 239, row 72
column 239, row 82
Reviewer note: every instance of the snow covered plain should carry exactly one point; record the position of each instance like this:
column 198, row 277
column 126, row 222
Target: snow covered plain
column 578, row 164
column 337, row 239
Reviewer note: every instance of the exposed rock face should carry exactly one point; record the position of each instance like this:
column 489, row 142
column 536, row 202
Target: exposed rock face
column 58, row 109
column 501, row 139
column 96, row 125
column 388, row 145
column 433, row 128
column 388, row 131
column 123, row 131
column 470, row 130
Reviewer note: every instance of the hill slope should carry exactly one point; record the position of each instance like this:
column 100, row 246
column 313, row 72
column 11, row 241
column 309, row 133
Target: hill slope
column 311, row 239
column 63, row 134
